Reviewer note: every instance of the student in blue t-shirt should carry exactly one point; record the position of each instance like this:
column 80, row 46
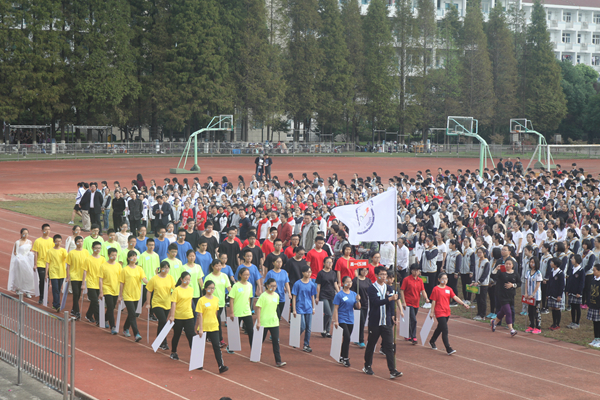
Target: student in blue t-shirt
column 255, row 276
column 283, row 283
column 305, row 292
column 161, row 245
column 344, row 303
column 227, row 268
column 141, row 240
column 203, row 258
column 183, row 247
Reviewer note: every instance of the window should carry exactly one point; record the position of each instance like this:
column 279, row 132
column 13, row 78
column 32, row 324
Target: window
column 365, row 1
column 578, row 59
column 579, row 17
column 596, row 38
column 567, row 16
column 566, row 38
column 596, row 60
column 579, row 38
column 597, row 18
column 549, row 15
column 567, row 57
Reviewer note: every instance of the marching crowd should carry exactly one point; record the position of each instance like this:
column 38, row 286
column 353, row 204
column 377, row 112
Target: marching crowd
column 240, row 249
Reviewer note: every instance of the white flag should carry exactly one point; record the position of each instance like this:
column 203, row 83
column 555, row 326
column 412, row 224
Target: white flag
column 371, row 221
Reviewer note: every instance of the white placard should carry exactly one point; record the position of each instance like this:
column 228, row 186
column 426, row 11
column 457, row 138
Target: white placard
column 101, row 313
column 286, row 309
column 45, row 301
column 403, row 329
column 37, row 283
column 354, row 335
column 223, row 315
column 295, row 322
column 197, row 354
column 317, row 319
column 337, row 335
column 65, row 293
column 118, row 323
column 256, row 343
column 234, row 342
column 427, row 325
column 138, row 310
column 162, row 335
column 122, row 305
column 148, row 328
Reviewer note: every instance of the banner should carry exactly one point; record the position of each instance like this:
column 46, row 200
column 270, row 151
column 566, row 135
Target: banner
column 371, row 221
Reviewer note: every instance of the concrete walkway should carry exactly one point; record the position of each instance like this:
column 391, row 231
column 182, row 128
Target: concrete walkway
column 30, row 388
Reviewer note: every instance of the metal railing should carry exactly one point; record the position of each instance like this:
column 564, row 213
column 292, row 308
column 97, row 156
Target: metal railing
column 38, row 343
column 16, row 152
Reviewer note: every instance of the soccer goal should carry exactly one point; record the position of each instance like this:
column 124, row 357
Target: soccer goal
column 572, row 152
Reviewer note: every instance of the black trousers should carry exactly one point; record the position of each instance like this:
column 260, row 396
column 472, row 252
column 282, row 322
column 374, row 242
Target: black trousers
column 134, row 225
column 412, row 325
column 465, row 279
column 492, row 296
column 93, row 310
column 431, row 282
column 544, row 287
column 95, row 218
column 275, row 338
column 387, row 344
column 453, row 282
column 76, row 286
column 280, row 309
column 364, row 311
column 442, row 328
column 248, row 327
column 347, row 332
column 482, row 301
column 214, row 340
column 588, row 288
column 131, row 320
column 161, row 315
column 186, row 325
column 111, row 302
column 117, row 220
column 219, row 319
column 403, row 274
column 42, row 276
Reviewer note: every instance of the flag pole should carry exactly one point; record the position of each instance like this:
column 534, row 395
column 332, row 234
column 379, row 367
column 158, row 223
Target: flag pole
column 396, row 290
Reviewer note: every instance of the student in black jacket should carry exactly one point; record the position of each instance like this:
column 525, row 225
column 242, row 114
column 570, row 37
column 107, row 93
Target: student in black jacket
column 593, row 313
column 554, row 291
column 382, row 317
column 574, row 289
column 118, row 206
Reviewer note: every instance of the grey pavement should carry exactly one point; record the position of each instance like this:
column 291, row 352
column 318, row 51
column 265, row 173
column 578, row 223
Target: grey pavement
column 30, row 388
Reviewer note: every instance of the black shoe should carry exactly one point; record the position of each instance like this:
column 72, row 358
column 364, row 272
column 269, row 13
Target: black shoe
column 395, row 374
column 90, row 320
column 323, row 334
column 222, row 369
column 73, row 313
column 229, row 351
column 368, row 371
column 164, row 346
column 174, row 356
column 433, row 346
column 307, row 349
column 346, row 363
column 153, row 318
column 328, row 335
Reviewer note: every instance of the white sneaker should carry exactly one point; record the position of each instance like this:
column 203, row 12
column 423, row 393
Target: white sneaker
column 71, row 222
column 467, row 302
column 427, row 305
column 596, row 343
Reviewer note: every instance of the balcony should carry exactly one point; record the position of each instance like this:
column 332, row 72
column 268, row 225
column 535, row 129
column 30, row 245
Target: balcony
column 554, row 23
column 583, row 46
column 585, row 25
column 568, row 46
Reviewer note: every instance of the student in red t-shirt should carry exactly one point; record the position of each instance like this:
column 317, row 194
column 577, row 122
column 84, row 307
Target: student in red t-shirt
column 373, row 263
column 200, row 218
column 440, row 309
column 268, row 246
column 294, row 242
column 410, row 292
column 316, row 256
column 342, row 266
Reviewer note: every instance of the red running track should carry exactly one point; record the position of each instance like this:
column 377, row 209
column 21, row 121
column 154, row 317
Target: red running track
column 487, row 365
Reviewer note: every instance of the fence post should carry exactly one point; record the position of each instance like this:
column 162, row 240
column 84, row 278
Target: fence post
column 72, row 359
column 65, row 364
column 20, row 339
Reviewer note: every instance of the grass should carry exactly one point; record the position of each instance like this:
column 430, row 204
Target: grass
column 581, row 336
column 53, row 209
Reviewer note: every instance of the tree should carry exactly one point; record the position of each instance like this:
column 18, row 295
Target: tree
column 353, row 36
column 545, row 103
column 381, row 65
column 303, row 62
column 578, row 86
column 336, row 74
column 518, row 25
column 476, row 69
column 504, row 67
column 592, row 118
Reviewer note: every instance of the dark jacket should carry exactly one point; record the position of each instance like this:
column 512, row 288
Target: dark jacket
column 85, row 201
column 163, row 218
column 556, row 284
column 375, row 302
column 575, row 281
column 118, row 205
column 135, row 209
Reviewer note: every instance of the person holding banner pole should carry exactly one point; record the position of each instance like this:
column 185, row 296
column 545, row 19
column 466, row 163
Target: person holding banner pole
column 109, row 287
column 267, row 316
column 160, row 287
column 344, row 303
column 131, row 280
column 181, row 313
column 207, row 321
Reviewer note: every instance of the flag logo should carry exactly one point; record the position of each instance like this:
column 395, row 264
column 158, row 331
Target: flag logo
column 365, row 216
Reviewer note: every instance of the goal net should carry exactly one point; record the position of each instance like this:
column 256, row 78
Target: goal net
column 572, row 152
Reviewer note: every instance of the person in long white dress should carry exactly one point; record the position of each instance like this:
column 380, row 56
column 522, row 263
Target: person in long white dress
column 21, row 275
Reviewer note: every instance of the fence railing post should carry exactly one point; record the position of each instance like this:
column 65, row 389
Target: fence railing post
column 20, row 340
column 65, row 364
column 72, row 396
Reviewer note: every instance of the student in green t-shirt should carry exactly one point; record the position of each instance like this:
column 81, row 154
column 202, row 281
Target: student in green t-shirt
column 221, row 282
column 94, row 237
column 266, row 316
column 174, row 262
column 240, row 296
column 111, row 243
column 131, row 242
column 150, row 263
column 197, row 277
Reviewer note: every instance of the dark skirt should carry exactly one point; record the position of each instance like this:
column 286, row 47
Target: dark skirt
column 575, row 300
column 553, row 303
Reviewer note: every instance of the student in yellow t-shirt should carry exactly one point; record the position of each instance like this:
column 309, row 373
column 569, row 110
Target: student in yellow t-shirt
column 207, row 321
column 222, row 284
column 40, row 248
column 181, row 312
column 131, row 280
column 91, row 280
column 109, row 287
column 76, row 260
column 267, row 317
column 160, row 286
column 56, row 258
